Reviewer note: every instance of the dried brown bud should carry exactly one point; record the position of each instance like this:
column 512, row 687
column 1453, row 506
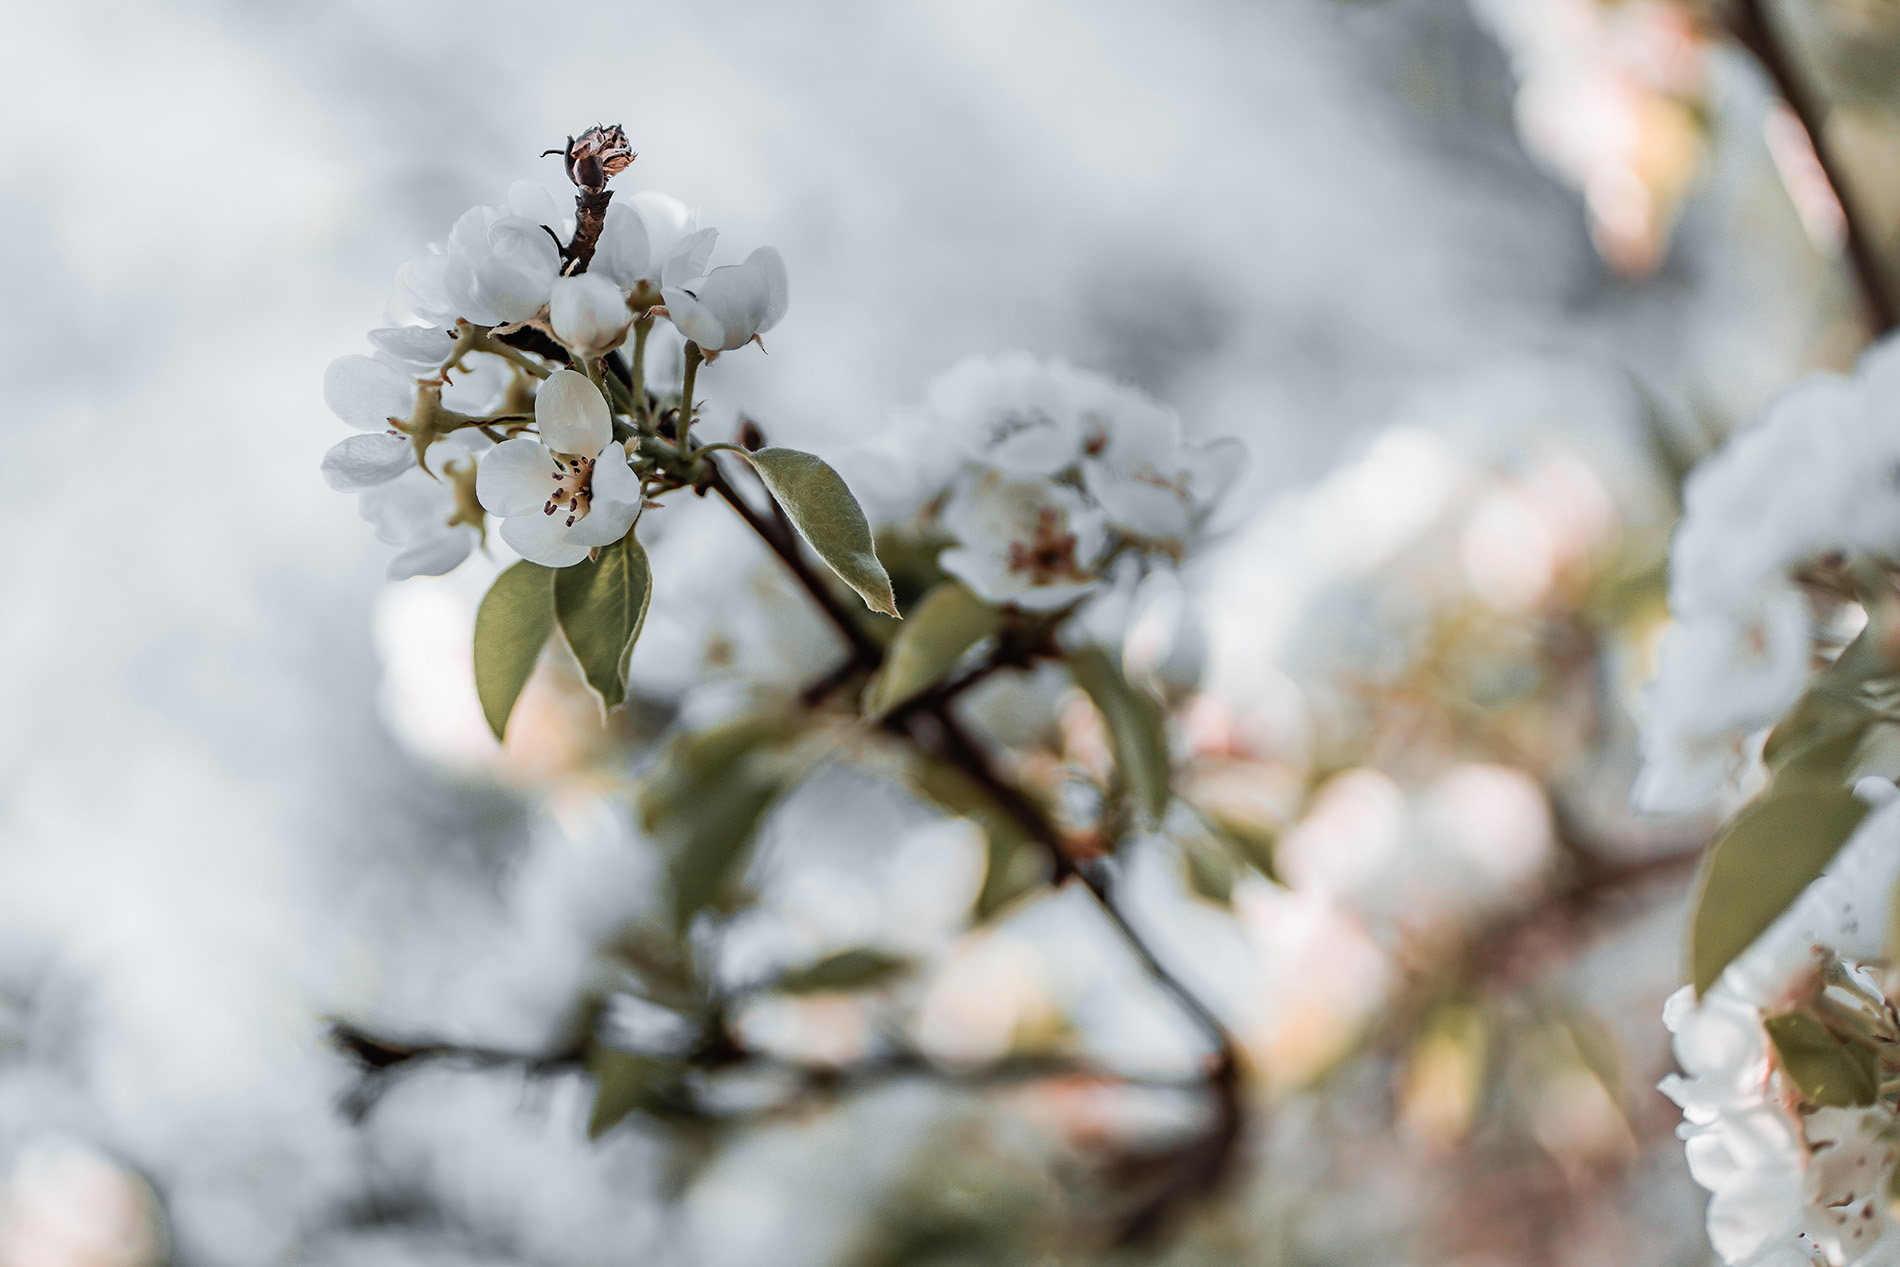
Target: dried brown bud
column 596, row 156
column 750, row 435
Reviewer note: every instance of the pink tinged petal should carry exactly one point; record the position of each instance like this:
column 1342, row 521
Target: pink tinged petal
column 517, row 478
column 433, row 555
column 688, row 259
column 366, row 393
column 694, row 320
column 416, row 348
column 531, row 200
column 572, row 414
column 543, row 539
column 365, row 461
column 624, row 250
column 588, row 312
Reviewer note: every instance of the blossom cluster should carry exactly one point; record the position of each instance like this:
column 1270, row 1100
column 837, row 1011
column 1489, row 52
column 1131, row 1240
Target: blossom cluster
column 498, row 387
column 1040, row 476
column 1811, row 482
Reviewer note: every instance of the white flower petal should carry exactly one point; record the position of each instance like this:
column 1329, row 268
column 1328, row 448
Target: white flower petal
column 667, row 220
column 572, row 414
column 416, row 348
column 433, row 555
column 366, row 393
column 686, row 261
column 365, row 461
column 770, row 265
column 462, row 285
column 419, row 294
column 542, row 539
column 617, row 495
column 588, row 312
column 624, row 250
column 694, row 320
column 404, row 511
column 516, row 478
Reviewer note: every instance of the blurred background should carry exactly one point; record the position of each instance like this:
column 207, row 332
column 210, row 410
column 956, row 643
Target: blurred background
column 1476, row 284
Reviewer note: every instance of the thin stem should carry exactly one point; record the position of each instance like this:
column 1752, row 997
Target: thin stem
column 496, row 347
column 864, row 650
column 686, row 399
column 1751, row 25
column 638, row 387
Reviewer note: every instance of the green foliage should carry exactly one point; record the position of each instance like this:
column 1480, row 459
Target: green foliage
column 1137, row 730
column 1759, row 865
column 1251, row 842
column 705, row 803
column 859, row 968
column 1210, row 867
column 511, row 626
column 1827, row 1070
column 948, row 622
column 1014, row 862
column 627, row 1082
column 601, row 604
column 825, row 513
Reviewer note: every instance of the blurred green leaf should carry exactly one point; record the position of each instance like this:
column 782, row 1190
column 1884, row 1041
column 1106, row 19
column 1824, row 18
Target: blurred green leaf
column 1827, row 1070
column 1759, row 865
column 705, row 802
column 859, row 968
column 628, row 1082
column 1253, row 843
column 1209, row 864
column 1137, row 730
column 948, row 622
column 1827, row 761
column 511, row 626
column 1015, row 863
column 601, row 604
column 821, row 506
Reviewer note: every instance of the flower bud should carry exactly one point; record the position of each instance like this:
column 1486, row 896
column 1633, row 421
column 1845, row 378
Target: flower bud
column 588, row 313
column 596, row 156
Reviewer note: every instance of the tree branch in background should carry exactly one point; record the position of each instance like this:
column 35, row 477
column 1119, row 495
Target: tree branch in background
column 1752, row 26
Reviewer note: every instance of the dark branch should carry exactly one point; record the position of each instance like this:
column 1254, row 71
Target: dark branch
column 1754, row 29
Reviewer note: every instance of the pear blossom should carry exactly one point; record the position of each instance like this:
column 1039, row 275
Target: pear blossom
column 496, row 268
column 730, row 306
column 588, row 313
column 569, row 491
column 1813, row 477
column 1026, row 543
column 1152, row 485
column 419, row 515
column 648, row 237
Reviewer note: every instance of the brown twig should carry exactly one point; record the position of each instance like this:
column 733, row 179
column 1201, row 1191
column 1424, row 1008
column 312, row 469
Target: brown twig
column 1752, row 27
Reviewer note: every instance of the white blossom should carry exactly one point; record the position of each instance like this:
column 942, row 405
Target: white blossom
column 1027, row 543
column 570, row 490
column 588, row 313
column 730, row 306
column 416, row 349
column 417, row 514
column 368, row 394
column 650, row 237
column 1816, row 475
column 496, row 268
column 1152, row 485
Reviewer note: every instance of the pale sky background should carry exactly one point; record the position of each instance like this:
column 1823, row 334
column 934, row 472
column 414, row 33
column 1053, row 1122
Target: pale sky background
column 1284, row 218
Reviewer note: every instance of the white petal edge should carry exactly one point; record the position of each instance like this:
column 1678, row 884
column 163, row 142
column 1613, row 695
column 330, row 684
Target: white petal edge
column 572, row 414
column 359, row 462
column 516, row 478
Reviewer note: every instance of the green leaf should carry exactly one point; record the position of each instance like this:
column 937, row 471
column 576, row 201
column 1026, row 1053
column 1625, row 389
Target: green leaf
column 1211, row 869
column 1015, row 864
column 1827, row 1070
column 856, row 969
column 1828, row 761
column 948, row 622
column 624, row 1081
column 1137, row 729
column 511, row 627
column 601, row 604
column 705, row 804
column 825, row 513
column 1759, row 865
column 1251, row 842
